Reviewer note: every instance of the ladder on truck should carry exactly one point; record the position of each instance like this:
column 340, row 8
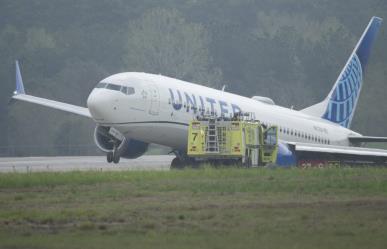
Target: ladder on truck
column 212, row 144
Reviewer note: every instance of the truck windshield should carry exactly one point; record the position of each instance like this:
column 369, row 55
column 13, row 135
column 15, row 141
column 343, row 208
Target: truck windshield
column 270, row 136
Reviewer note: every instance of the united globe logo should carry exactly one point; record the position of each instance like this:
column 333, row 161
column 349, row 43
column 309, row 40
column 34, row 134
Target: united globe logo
column 342, row 102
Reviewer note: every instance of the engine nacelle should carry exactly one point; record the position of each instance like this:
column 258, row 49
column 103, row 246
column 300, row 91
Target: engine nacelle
column 286, row 156
column 128, row 148
column 133, row 149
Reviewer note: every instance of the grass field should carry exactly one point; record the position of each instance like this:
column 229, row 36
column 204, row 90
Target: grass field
column 205, row 208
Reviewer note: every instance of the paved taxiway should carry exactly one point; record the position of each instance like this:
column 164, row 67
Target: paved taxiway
column 36, row 164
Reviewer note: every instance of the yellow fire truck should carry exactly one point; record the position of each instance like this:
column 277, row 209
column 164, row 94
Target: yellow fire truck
column 241, row 139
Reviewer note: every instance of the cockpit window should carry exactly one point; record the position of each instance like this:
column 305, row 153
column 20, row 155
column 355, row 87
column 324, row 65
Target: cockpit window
column 124, row 89
column 113, row 87
column 101, row 85
column 130, row 91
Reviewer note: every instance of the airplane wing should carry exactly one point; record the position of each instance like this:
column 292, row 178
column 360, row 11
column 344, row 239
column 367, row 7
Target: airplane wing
column 342, row 153
column 367, row 139
column 20, row 94
column 341, row 150
column 82, row 111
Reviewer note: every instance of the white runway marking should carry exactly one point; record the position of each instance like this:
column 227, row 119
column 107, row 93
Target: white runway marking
column 61, row 164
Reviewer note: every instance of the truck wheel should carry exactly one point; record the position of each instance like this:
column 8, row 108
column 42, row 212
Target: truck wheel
column 177, row 163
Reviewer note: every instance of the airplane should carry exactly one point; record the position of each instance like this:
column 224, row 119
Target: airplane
column 133, row 109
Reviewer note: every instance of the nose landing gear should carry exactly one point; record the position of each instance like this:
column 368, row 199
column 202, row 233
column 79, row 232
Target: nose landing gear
column 115, row 155
column 109, row 157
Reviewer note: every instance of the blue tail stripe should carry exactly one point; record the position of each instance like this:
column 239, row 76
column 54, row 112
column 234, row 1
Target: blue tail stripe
column 338, row 113
column 347, row 89
column 348, row 107
column 329, row 114
column 338, row 93
column 341, row 89
column 353, row 84
column 351, row 104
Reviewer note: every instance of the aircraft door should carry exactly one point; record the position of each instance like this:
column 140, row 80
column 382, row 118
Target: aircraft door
column 154, row 100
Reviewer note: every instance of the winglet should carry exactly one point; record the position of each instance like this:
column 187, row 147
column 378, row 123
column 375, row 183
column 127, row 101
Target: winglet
column 19, row 81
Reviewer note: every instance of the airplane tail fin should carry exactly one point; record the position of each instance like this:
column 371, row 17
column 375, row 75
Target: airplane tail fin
column 340, row 104
column 19, row 80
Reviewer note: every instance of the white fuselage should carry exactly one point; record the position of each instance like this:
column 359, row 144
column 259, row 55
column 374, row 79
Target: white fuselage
column 160, row 109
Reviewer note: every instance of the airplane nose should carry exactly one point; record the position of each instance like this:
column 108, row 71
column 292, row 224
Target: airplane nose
column 101, row 105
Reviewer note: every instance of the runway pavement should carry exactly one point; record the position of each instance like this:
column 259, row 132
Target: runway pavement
column 61, row 164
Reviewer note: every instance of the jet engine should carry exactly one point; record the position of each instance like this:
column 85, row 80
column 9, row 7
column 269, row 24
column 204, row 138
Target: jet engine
column 109, row 142
column 286, row 156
